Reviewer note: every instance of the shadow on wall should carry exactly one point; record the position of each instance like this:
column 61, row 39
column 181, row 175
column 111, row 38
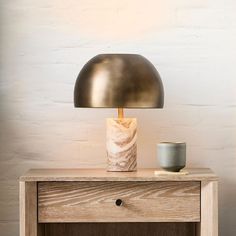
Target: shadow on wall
column 227, row 206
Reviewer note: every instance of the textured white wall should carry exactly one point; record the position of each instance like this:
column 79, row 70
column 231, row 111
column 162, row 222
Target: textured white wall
column 44, row 44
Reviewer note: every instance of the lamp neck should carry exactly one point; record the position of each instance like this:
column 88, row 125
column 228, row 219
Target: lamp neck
column 120, row 113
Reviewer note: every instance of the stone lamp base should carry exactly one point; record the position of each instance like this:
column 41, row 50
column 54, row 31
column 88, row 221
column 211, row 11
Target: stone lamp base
column 121, row 144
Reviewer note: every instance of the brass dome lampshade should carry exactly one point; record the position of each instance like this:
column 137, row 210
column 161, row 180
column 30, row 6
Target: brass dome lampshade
column 119, row 81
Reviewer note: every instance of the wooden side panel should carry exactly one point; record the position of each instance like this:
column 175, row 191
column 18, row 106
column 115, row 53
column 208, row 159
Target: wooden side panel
column 209, row 209
column 22, row 208
column 28, row 210
column 120, row 229
column 142, row 201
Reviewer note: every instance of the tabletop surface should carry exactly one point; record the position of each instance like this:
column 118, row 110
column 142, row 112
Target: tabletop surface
column 194, row 174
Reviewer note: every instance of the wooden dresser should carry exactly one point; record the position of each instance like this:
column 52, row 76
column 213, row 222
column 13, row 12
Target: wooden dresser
column 93, row 202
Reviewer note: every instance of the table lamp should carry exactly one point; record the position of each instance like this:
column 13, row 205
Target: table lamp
column 119, row 81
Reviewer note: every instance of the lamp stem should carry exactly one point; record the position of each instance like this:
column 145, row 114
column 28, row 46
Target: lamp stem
column 120, row 113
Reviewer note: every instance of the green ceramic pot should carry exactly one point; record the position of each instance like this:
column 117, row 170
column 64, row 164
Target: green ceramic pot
column 172, row 156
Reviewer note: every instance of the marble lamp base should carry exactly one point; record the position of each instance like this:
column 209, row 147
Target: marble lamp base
column 121, row 144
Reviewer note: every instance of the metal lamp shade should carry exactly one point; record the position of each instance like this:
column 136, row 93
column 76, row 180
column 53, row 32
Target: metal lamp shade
column 119, row 81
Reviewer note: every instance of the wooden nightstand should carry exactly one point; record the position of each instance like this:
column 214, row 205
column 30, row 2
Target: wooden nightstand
column 91, row 202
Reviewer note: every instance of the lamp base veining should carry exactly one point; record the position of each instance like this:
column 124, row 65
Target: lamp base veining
column 121, row 144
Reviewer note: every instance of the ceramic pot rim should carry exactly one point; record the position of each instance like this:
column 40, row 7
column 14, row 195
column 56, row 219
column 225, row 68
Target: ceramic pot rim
column 171, row 143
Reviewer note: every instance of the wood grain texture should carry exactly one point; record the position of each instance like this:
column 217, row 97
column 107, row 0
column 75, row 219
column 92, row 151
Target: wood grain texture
column 209, row 209
column 120, row 229
column 44, row 44
column 196, row 174
column 95, row 201
column 121, row 144
column 28, row 210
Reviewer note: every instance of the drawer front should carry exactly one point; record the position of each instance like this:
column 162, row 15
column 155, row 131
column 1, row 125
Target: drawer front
column 140, row 201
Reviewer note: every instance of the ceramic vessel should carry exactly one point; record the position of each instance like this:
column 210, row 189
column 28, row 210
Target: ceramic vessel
column 172, row 156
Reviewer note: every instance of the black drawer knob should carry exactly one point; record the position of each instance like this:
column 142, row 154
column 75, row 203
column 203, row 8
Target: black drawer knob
column 119, row 202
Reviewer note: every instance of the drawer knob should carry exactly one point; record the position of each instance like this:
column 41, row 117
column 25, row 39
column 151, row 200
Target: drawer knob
column 119, row 202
